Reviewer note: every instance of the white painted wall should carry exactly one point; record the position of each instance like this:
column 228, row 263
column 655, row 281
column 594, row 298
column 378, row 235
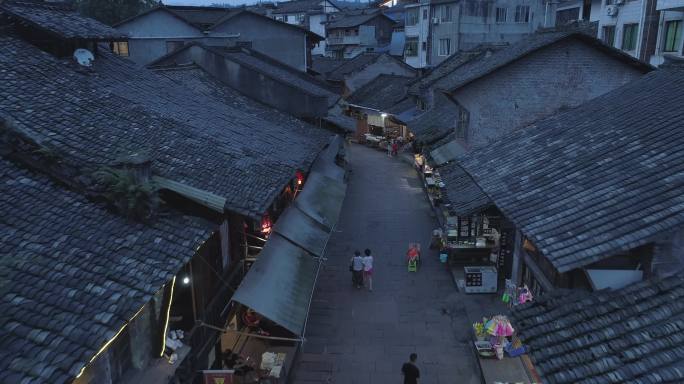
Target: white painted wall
column 667, row 15
column 631, row 11
column 421, row 31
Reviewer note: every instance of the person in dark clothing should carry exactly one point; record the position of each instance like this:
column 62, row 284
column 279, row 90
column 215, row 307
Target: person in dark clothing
column 410, row 371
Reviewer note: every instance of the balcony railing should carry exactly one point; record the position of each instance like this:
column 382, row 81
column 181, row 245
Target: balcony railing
column 343, row 40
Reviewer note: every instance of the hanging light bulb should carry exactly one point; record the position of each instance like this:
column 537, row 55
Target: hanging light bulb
column 300, row 177
column 266, row 224
column 186, row 280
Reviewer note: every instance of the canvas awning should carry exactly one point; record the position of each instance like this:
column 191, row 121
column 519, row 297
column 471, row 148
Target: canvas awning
column 280, row 283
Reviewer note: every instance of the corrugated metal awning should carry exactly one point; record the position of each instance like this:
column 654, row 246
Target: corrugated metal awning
column 322, row 199
column 447, row 152
column 280, row 283
column 325, row 163
column 302, row 230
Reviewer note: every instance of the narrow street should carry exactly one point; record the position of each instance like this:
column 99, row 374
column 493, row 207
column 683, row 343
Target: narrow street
column 356, row 336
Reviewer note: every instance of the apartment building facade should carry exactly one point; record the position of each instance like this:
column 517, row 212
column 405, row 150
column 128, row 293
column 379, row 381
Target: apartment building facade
column 436, row 29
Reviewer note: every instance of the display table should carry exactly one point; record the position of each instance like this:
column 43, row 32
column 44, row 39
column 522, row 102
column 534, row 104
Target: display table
column 508, row 370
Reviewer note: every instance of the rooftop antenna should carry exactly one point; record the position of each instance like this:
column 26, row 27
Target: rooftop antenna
column 84, row 57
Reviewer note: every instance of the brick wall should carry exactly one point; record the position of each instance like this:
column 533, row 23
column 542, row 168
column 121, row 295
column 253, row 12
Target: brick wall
column 556, row 78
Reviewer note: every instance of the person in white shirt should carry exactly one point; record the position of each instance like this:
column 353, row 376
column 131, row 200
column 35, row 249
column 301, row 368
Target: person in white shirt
column 357, row 269
column 368, row 269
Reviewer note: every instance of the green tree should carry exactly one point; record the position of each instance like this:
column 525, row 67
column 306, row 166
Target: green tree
column 111, row 12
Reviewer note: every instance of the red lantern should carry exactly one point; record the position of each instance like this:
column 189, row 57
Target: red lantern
column 266, row 224
column 300, row 177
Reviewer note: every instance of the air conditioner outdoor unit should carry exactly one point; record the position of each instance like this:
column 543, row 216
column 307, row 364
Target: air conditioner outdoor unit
column 612, row 10
column 435, row 20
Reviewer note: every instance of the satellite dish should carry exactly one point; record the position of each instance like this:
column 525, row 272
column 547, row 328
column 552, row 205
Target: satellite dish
column 84, row 57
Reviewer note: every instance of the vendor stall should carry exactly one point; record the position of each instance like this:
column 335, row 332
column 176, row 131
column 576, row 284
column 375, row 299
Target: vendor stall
column 498, row 351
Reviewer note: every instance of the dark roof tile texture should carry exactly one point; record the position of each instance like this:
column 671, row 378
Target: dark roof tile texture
column 446, row 67
column 629, row 335
column 353, row 65
column 298, row 6
column 201, row 140
column 463, row 195
column 597, row 180
column 59, row 19
column 487, row 63
column 381, row 93
column 202, row 17
column 325, row 65
column 437, row 122
column 72, row 274
column 353, row 20
column 280, row 72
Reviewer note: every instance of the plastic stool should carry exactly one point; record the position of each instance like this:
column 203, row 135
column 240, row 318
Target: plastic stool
column 413, row 265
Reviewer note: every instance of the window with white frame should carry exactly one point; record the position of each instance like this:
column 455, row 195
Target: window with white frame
column 445, row 14
column 522, row 14
column 444, row 47
column 630, row 34
column 412, row 16
column 501, row 15
column 673, row 36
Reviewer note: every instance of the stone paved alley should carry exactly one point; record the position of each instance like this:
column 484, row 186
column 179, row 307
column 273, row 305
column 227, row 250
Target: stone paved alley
column 356, row 336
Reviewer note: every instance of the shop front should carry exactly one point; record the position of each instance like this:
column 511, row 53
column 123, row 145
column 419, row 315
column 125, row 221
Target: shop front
column 500, row 354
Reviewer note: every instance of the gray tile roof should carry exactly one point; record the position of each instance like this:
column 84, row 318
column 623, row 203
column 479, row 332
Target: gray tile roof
column 381, row 93
column 59, row 19
column 72, row 274
column 297, row 6
column 356, row 64
column 197, row 139
column 462, row 194
column 486, row 64
column 402, row 106
column 280, row 72
column 437, row 122
column 596, row 180
column 630, row 335
column 324, row 65
column 353, row 19
column 446, row 67
column 201, row 17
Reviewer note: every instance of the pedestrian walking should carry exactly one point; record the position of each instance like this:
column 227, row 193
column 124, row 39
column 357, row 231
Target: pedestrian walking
column 410, row 371
column 357, row 269
column 389, row 148
column 368, row 269
column 395, row 147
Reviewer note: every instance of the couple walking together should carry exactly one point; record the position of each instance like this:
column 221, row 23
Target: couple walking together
column 362, row 269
